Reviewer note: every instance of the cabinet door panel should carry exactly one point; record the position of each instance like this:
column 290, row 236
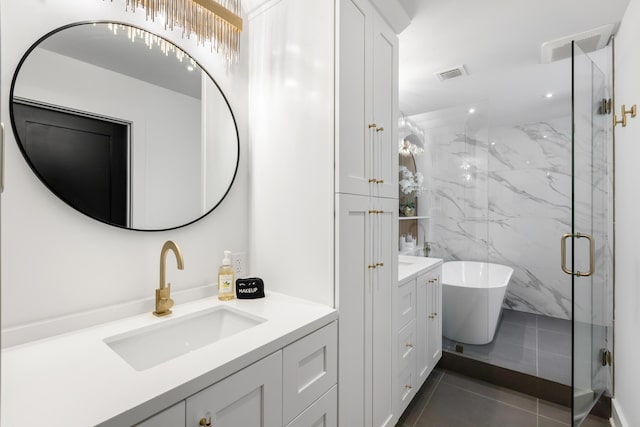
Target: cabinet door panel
column 354, row 88
column 385, row 114
column 435, row 324
column 353, row 256
column 423, row 311
column 251, row 397
column 383, row 302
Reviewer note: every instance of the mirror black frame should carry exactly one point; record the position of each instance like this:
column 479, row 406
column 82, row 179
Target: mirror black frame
column 35, row 171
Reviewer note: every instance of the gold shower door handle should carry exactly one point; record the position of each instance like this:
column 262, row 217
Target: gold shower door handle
column 592, row 254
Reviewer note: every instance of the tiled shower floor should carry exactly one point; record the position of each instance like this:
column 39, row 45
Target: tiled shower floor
column 529, row 343
column 448, row 399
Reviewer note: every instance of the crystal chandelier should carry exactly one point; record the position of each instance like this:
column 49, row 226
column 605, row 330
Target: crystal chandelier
column 215, row 21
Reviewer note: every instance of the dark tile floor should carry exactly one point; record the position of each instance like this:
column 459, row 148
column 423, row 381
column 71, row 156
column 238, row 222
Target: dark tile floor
column 448, row 399
column 529, row 343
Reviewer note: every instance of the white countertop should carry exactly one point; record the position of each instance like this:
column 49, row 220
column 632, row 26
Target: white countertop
column 411, row 266
column 75, row 379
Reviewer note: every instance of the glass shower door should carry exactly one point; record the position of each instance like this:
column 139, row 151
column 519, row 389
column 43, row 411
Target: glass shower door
column 589, row 246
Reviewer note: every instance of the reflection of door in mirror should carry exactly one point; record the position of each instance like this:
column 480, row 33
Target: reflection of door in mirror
column 409, row 226
column 81, row 159
column 183, row 145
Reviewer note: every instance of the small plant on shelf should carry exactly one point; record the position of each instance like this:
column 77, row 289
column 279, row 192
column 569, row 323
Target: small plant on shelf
column 410, row 187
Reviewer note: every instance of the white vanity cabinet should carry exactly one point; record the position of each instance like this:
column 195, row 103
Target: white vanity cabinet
column 293, row 387
column 419, row 333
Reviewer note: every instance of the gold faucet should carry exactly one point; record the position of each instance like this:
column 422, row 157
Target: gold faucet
column 163, row 301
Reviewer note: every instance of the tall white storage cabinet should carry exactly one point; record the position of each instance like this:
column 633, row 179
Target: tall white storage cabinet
column 324, row 109
column 366, row 201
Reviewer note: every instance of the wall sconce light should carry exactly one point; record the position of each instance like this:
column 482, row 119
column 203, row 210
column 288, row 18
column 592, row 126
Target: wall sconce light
column 215, row 21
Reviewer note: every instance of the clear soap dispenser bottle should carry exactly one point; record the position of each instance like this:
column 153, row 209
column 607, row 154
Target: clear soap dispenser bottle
column 226, row 280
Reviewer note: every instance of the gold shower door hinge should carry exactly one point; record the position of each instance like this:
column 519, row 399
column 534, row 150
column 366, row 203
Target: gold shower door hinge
column 606, row 357
column 605, row 106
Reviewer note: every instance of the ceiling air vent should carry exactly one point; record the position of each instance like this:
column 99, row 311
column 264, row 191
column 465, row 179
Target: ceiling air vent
column 588, row 41
column 451, row 73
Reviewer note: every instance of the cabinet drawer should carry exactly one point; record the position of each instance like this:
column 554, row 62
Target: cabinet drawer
column 172, row 417
column 406, row 303
column 323, row 412
column 406, row 387
column 407, row 345
column 310, row 368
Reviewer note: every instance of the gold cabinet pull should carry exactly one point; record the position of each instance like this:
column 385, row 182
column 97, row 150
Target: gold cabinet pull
column 375, row 181
column 373, row 266
column 380, row 129
column 373, row 212
column 373, row 125
column 205, row 422
column 379, row 181
column 408, row 386
column 380, row 264
column 431, row 317
column 408, row 345
column 623, row 122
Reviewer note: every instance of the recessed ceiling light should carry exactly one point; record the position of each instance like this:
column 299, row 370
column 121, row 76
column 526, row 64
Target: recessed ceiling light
column 472, row 110
column 549, row 95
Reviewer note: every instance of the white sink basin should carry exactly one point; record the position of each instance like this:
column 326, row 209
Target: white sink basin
column 149, row 346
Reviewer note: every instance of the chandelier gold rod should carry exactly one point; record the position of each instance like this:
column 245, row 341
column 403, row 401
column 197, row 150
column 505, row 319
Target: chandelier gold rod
column 222, row 12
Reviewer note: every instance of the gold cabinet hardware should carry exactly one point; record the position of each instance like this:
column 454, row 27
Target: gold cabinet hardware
column 375, row 181
column 379, row 181
column 380, row 264
column 408, row 386
column 434, row 314
column 408, row 345
column 373, row 125
column 380, row 129
column 431, row 317
column 623, row 122
column 592, row 254
column 372, row 266
column 632, row 111
column 205, row 422
column 372, row 212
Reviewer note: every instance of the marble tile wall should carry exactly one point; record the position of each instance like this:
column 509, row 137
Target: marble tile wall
column 504, row 196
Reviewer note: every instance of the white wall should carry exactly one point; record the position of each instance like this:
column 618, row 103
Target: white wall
column 56, row 261
column 627, row 294
column 292, row 133
column 158, row 150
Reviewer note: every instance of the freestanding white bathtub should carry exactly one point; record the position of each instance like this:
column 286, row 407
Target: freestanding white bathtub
column 472, row 296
